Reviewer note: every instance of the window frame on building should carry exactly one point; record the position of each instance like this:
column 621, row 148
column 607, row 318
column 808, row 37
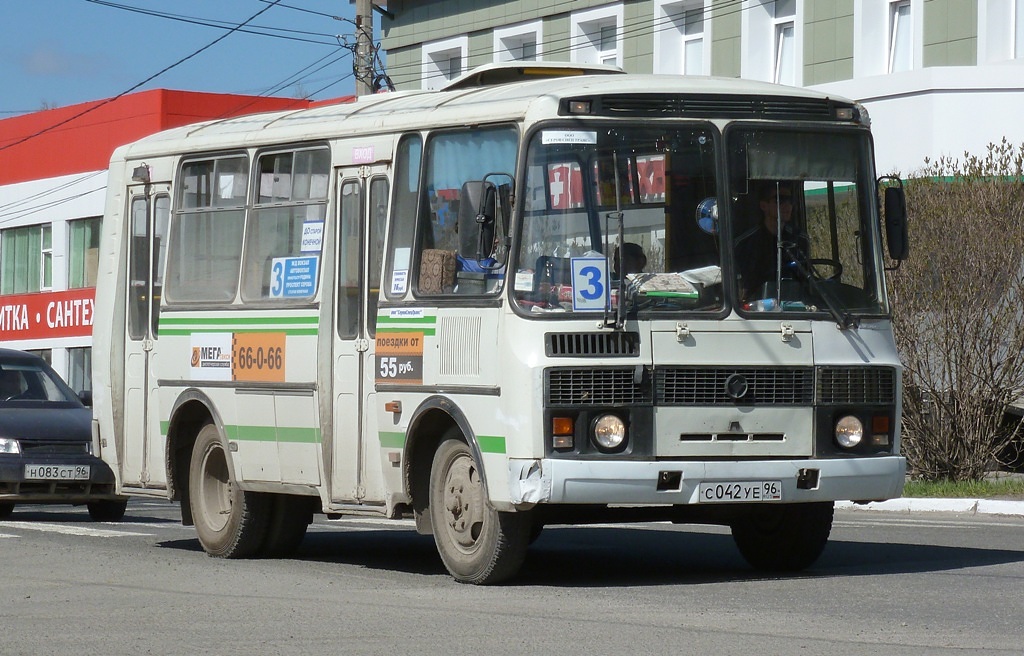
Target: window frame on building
column 590, row 31
column 681, row 30
column 16, row 277
column 520, row 35
column 900, row 32
column 83, row 252
column 784, row 64
column 436, row 66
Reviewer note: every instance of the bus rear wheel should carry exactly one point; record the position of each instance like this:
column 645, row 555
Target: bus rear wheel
column 783, row 538
column 477, row 543
column 107, row 510
column 289, row 518
column 230, row 522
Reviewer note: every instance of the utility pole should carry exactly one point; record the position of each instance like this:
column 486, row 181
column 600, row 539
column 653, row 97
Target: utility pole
column 364, row 47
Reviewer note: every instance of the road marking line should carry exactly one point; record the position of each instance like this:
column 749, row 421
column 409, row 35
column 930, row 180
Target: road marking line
column 72, row 530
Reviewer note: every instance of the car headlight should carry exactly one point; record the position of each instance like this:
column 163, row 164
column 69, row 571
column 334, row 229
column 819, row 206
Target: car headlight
column 849, row 432
column 9, row 445
column 609, row 432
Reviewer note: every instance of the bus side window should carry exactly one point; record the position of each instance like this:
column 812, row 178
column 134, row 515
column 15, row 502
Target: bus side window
column 454, row 159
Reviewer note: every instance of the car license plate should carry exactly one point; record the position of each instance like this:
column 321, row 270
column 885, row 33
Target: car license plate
column 57, row 472
column 740, row 492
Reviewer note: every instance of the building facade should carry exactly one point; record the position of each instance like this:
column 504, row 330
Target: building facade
column 53, row 176
column 939, row 77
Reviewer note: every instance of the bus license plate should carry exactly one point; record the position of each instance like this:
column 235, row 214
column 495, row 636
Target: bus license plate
column 740, row 492
column 57, row 472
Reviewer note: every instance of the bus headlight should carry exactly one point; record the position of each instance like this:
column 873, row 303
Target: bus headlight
column 849, row 431
column 10, row 446
column 609, row 432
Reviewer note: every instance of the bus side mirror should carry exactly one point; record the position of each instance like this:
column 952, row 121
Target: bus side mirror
column 896, row 222
column 476, row 219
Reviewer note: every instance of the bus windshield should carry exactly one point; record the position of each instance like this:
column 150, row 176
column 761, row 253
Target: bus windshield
column 589, row 192
column 653, row 194
column 804, row 233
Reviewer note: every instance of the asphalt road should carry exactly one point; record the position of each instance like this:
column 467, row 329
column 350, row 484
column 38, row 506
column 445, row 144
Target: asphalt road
column 892, row 583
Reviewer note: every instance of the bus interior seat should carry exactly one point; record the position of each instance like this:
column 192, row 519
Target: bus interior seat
column 437, row 271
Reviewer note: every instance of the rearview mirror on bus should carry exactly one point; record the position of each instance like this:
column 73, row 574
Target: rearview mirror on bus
column 896, row 222
column 483, row 220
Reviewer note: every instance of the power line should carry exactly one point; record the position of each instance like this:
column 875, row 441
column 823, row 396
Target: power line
column 261, row 30
column 146, row 81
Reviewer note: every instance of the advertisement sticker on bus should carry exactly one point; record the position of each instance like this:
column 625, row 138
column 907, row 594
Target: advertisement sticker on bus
column 258, row 357
column 399, row 357
column 211, row 356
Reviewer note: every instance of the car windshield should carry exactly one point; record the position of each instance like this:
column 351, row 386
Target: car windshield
column 32, row 382
column 620, row 209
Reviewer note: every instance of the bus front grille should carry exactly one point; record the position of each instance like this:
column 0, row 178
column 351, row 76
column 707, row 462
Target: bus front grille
column 734, row 385
column 843, row 385
column 718, row 386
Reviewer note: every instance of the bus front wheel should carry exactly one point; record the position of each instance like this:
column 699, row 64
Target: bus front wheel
column 477, row 543
column 783, row 538
column 230, row 522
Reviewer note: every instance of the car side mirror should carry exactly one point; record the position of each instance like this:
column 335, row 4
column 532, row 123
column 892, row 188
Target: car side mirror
column 85, row 396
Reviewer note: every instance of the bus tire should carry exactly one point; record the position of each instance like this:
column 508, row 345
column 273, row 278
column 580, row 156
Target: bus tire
column 6, row 509
column 289, row 518
column 230, row 522
column 477, row 543
column 108, row 510
column 785, row 537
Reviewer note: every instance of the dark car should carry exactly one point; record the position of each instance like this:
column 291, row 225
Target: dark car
column 46, row 442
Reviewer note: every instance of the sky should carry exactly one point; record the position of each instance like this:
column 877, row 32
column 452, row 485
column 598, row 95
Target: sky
column 62, row 52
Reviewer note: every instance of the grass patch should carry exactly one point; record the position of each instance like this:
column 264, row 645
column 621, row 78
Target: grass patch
column 984, row 489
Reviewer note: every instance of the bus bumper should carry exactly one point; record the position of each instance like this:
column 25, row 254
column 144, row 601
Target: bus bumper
column 545, row 481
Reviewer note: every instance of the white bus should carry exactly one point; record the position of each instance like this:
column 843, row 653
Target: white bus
column 415, row 305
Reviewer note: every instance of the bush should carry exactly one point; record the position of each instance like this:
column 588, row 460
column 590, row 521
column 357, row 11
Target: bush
column 958, row 306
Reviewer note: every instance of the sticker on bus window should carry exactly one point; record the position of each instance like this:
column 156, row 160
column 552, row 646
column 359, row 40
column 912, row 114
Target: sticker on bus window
column 293, row 277
column 569, row 137
column 312, row 236
column 589, row 283
column 400, row 276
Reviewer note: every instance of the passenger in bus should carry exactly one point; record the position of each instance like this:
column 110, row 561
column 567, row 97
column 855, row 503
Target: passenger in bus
column 633, row 259
column 757, row 249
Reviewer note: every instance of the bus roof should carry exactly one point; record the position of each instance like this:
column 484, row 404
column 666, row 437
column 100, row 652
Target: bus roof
column 459, row 105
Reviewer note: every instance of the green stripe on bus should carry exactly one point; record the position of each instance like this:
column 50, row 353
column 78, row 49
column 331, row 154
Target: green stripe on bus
column 299, row 435
column 491, row 443
column 240, row 321
column 383, row 318
column 176, row 325
column 391, row 440
column 235, row 329
column 391, row 330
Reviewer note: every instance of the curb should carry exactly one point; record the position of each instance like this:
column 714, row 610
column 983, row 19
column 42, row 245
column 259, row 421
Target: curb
column 915, row 504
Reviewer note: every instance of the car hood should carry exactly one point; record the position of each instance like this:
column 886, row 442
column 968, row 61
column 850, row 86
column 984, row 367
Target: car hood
column 46, row 423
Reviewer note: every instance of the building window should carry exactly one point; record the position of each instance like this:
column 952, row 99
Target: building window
column 784, row 71
column 596, row 36
column 80, row 369
column 83, row 252
column 679, row 38
column 1018, row 29
column 26, row 259
column 900, row 37
column 518, row 43
column 443, row 61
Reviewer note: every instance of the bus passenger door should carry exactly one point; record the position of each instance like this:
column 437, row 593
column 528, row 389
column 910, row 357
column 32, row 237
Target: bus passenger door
column 356, row 458
column 149, row 212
